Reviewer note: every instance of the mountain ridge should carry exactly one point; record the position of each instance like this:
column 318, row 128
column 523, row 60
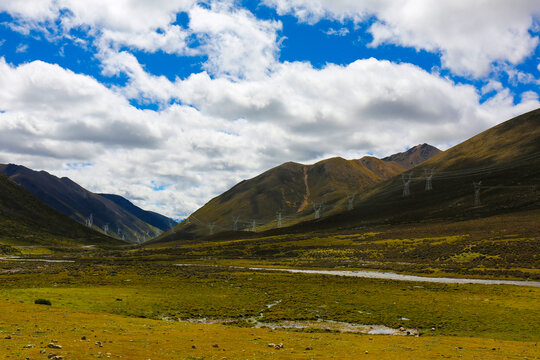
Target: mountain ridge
column 288, row 193
column 68, row 197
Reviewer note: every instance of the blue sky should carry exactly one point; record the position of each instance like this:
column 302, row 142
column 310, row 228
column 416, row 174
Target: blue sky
column 169, row 103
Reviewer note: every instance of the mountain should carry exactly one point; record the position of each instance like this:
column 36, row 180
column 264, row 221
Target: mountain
column 156, row 220
column 26, row 220
column 287, row 194
column 413, row 156
column 82, row 205
column 495, row 172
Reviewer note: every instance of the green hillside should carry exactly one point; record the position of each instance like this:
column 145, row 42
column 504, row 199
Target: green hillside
column 25, row 220
column 111, row 214
column 291, row 192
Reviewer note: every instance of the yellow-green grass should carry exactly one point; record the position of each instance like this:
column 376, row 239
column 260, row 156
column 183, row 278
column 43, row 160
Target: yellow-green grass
column 132, row 338
column 146, row 289
column 502, row 246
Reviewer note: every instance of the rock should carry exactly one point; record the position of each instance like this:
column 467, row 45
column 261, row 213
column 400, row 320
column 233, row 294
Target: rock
column 83, row 338
column 98, row 343
column 309, row 348
column 54, row 346
column 29, row 346
column 51, row 356
column 193, row 347
column 8, row 337
column 401, row 328
column 366, row 352
column 42, row 351
column 215, row 345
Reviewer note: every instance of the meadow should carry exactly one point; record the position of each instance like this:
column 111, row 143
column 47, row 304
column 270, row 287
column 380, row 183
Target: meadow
column 150, row 308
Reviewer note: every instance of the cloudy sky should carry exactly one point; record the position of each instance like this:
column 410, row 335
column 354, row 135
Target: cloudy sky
column 171, row 102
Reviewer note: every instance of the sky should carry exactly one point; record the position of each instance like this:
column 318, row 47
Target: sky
column 171, row 102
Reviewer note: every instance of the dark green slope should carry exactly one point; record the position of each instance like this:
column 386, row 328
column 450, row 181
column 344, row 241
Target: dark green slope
column 80, row 204
column 157, row 220
column 505, row 160
column 25, row 220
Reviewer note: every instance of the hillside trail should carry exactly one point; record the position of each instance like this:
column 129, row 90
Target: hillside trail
column 307, row 194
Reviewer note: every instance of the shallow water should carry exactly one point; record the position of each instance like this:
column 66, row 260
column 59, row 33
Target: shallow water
column 401, row 277
column 16, row 258
column 392, row 276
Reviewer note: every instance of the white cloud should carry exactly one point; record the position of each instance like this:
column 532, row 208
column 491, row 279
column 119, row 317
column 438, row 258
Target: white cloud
column 227, row 130
column 246, row 112
column 21, row 48
column 237, row 43
column 339, row 32
column 469, row 35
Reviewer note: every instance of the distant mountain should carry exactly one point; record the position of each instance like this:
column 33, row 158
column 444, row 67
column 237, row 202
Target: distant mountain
column 413, row 156
column 285, row 195
column 494, row 172
column 157, row 220
column 82, row 205
column 26, row 220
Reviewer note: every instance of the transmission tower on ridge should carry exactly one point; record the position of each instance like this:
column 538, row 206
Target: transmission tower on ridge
column 477, row 186
column 429, row 176
column 406, row 185
column 279, row 218
column 235, row 222
column 211, row 226
column 350, row 201
column 317, row 208
column 254, row 225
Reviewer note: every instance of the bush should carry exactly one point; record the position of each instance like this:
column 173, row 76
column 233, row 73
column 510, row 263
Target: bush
column 42, row 302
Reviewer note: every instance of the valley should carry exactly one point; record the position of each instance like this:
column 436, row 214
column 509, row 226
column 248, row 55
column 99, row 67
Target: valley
column 446, row 269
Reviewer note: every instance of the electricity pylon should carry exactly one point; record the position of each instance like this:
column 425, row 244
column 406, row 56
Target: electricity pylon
column 477, row 186
column 317, row 209
column 406, row 185
column 211, row 227
column 254, row 225
column 350, row 201
column 235, row 222
column 279, row 219
column 90, row 220
column 429, row 176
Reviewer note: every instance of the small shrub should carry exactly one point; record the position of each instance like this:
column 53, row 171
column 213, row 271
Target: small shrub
column 42, row 302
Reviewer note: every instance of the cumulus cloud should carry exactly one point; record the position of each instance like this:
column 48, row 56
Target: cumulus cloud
column 470, row 36
column 227, row 130
column 246, row 112
column 235, row 42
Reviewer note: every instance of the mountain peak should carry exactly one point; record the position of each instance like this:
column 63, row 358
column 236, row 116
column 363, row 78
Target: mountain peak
column 414, row 156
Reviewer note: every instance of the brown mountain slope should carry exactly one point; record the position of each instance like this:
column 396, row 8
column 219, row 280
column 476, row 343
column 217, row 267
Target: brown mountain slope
column 503, row 162
column 291, row 192
column 25, row 220
column 413, row 156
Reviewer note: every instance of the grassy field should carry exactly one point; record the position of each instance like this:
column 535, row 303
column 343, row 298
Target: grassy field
column 164, row 291
column 502, row 246
column 138, row 304
column 91, row 335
